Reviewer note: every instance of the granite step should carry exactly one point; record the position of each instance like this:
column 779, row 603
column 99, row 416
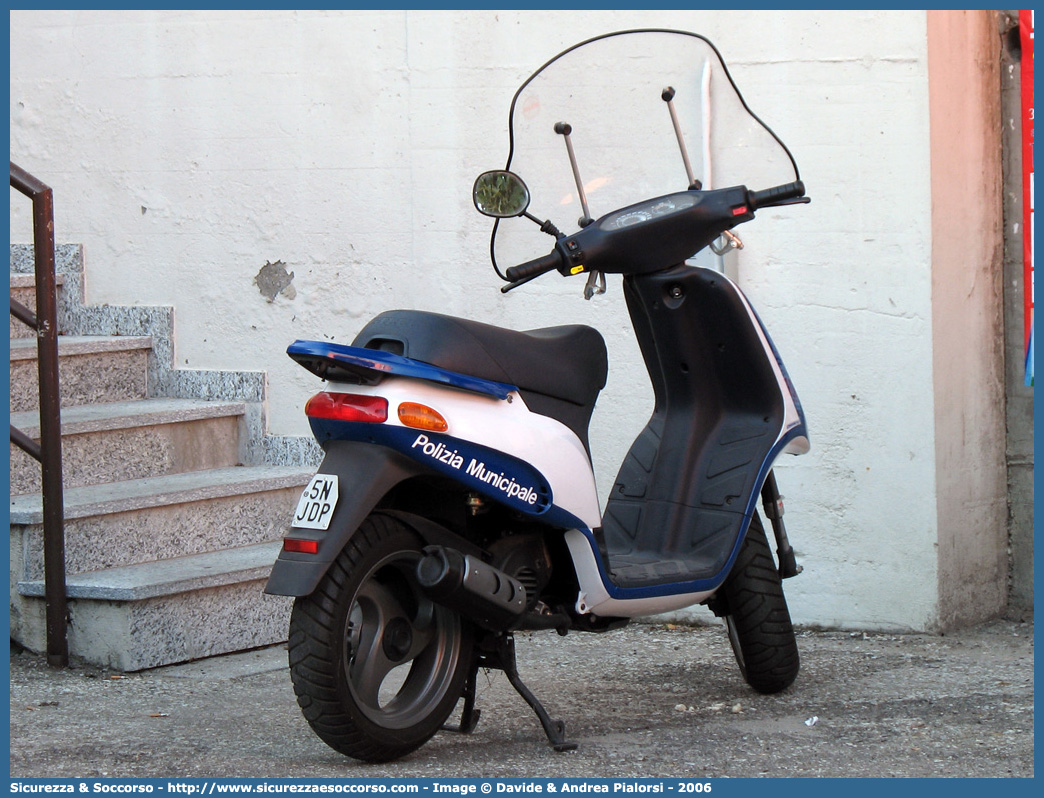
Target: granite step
column 129, row 440
column 144, row 520
column 161, row 569
column 166, row 559
column 91, row 369
column 179, row 609
column 23, row 289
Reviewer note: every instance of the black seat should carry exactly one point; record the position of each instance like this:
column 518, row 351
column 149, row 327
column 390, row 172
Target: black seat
column 558, row 370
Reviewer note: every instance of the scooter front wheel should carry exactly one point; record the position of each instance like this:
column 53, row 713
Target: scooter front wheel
column 376, row 665
column 757, row 617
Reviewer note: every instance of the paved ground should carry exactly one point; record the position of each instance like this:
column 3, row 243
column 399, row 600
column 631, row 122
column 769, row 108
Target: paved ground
column 649, row 700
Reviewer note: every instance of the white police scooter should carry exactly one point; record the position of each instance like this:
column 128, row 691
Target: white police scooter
column 456, row 502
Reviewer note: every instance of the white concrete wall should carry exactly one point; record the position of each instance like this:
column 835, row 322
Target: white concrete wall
column 186, row 149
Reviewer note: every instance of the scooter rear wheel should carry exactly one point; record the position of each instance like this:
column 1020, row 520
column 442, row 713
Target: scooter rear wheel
column 757, row 618
column 376, row 665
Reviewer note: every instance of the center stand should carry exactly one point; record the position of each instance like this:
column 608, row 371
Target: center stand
column 498, row 651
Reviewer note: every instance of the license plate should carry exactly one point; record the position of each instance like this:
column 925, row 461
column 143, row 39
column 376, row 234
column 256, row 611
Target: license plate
column 317, row 504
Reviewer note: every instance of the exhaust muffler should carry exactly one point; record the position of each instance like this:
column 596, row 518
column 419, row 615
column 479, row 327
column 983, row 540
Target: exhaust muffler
column 476, row 590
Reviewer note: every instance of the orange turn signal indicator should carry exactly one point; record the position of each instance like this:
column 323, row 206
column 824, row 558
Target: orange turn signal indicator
column 418, row 416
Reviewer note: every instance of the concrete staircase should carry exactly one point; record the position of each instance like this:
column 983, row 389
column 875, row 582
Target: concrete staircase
column 175, row 500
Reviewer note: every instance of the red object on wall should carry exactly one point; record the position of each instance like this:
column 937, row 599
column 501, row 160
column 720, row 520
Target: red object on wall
column 1026, row 31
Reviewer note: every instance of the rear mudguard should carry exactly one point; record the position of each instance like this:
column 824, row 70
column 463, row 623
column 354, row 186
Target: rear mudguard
column 365, row 474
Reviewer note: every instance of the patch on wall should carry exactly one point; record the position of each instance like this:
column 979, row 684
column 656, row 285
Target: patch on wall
column 273, row 279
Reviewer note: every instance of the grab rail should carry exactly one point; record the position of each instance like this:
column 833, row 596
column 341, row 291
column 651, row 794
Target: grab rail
column 49, row 451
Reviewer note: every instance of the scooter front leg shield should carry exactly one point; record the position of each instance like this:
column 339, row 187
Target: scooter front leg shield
column 365, row 473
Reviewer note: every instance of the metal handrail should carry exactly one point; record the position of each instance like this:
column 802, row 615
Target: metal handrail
column 49, row 451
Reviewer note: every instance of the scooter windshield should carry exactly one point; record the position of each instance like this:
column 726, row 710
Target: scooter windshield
column 609, row 94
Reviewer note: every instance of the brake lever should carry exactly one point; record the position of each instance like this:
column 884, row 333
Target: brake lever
column 595, row 284
column 732, row 241
column 795, row 201
column 512, row 286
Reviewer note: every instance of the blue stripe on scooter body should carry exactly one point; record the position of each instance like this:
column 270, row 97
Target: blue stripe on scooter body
column 492, row 473
column 412, row 443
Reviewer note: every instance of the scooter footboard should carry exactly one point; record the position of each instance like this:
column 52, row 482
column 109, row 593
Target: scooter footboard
column 685, row 493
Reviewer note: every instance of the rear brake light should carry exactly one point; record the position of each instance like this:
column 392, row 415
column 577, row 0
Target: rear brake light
column 301, row 546
column 347, row 407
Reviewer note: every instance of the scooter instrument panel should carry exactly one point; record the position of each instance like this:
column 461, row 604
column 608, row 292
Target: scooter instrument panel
column 644, row 212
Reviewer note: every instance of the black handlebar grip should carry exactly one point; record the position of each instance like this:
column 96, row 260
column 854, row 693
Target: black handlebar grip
column 533, row 268
column 771, row 196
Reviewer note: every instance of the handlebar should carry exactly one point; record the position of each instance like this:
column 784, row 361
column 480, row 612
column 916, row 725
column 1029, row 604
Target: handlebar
column 656, row 233
column 535, row 267
column 775, row 195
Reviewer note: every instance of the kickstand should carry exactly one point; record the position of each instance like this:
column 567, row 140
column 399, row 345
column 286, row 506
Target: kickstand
column 554, row 729
column 469, row 716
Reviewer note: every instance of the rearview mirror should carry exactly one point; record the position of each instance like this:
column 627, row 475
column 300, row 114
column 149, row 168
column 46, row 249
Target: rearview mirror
column 500, row 194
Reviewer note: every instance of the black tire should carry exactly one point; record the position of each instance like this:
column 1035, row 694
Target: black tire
column 757, row 618
column 381, row 706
